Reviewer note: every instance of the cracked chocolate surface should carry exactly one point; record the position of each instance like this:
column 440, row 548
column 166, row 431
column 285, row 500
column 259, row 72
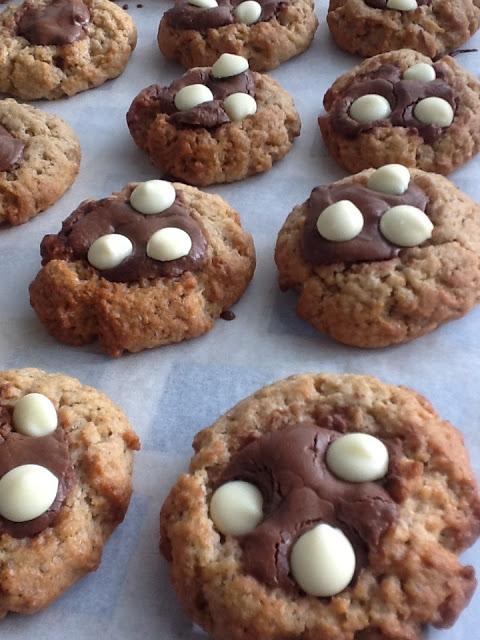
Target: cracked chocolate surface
column 58, row 23
column 187, row 16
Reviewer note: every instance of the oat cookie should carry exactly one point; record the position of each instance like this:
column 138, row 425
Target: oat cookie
column 403, row 108
column 65, row 483
column 324, row 506
column 382, row 257
column 433, row 27
column 39, row 160
column 267, row 32
column 215, row 125
column 55, row 48
column 154, row 264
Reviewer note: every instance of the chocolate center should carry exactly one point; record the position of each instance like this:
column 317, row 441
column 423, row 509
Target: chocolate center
column 382, row 4
column 11, row 150
column 187, row 16
column 58, row 23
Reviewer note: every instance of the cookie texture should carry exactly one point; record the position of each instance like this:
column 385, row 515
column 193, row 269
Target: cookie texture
column 384, row 143
column 33, row 72
column 376, row 304
column 225, row 153
column 266, row 44
column 35, row 571
column 49, row 164
column 413, row 576
column 77, row 305
column 436, row 28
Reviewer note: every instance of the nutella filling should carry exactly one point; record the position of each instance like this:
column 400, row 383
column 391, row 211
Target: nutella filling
column 155, row 99
column 47, row 451
column 95, row 218
column 403, row 96
column 58, row 23
column 187, row 16
column 370, row 245
column 11, row 150
column 382, row 4
column 288, row 467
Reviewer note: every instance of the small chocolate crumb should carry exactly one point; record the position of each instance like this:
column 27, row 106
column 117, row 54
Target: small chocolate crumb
column 125, row 6
column 227, row 315
column 139, row 6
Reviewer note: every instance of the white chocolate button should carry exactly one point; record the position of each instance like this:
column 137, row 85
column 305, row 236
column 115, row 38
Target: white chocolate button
column 323, row 561
column 228, row 64
column 391, row 178
column 191, row 96
column 204, row 4
column 357, row 457
column 34, row 415
column 421, row 71
column 402, row 5
column 369, row 108
column 109, row 251
column 169, row 243
column 406, row 226
column 248, row 12
column 340, row 221
column 26, row 492
column 434, row 111
column 236, row 508
column 239, row 105
column 153, row 196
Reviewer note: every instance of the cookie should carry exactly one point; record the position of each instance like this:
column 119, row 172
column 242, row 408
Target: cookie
column 324, row 506
column 39, row 160
column 433, row 27
column 400, row 107
column 382, row 257
column 154, row 264
column 65, row 483
column 215, row 125
column 267, row 33
column 55, row 48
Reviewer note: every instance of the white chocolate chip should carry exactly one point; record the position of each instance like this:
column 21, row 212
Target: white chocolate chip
column 228, row 64
column 391, row 178
column 323, row 561
column 248, row 12
column 109, row 251
column 406, row 226
column 153, row 196
column 26, row 492
column 420, row 71
column 169, row 243
column 434, row 110
column 357, row 457
column 370, row 108
column 204, row 4
column 236, row 508
column 402, row 5
column 340, row 222
column 34, row 415
column 191, row 96
column 239, row 105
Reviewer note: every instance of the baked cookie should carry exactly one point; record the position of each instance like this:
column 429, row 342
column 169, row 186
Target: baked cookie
column 401, row 107
column 154, row 264
column 55, row 48
column 267, row 32
column 324, row 506
column 382, row 257
column 214, row 125
column 39, row 160
column 65, row 483
column 433, row 27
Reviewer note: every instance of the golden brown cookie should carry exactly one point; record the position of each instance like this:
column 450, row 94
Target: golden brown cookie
column 39, row 160
column 65, row 483
column 55, row 48
column 439, row 136
column 176, row 262
column 370, row 274
column 204, row 130
column 433, row 27
column 268, row 468
column 267, row 33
